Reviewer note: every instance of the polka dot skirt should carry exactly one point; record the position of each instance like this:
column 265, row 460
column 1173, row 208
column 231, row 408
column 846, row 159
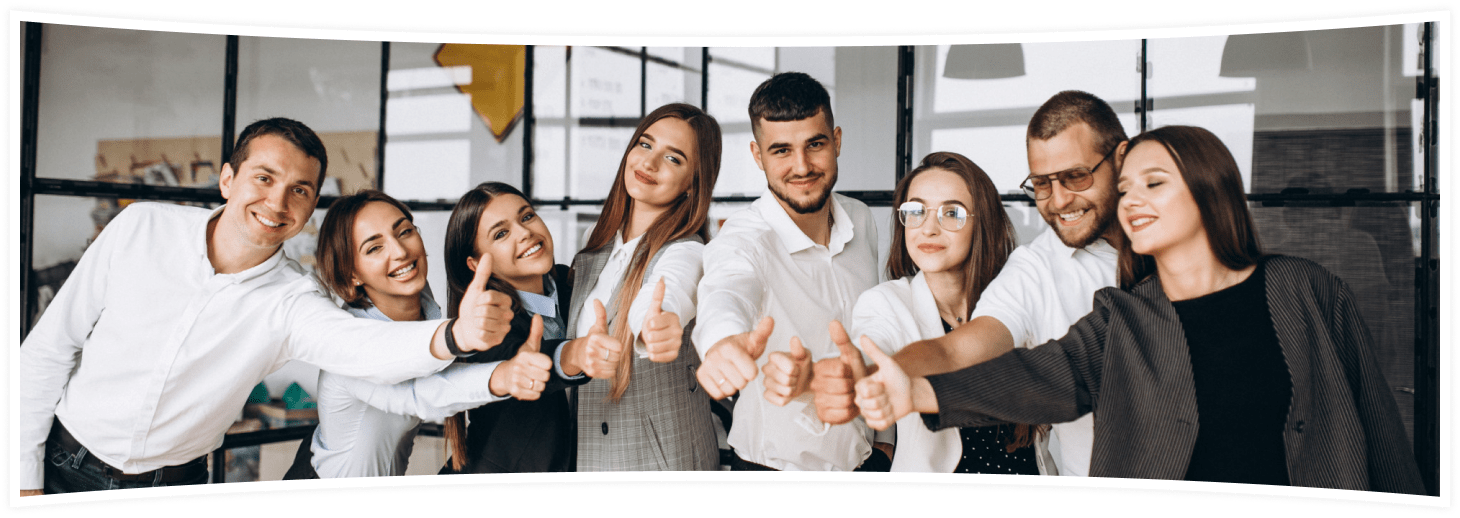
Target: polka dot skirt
column 984, row 452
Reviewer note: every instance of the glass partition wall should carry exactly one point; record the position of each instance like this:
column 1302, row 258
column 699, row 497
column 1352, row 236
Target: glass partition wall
column 1329, row 128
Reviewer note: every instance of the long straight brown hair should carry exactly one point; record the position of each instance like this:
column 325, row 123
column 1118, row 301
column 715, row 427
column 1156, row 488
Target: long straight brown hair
column 993, row 241
column 461, row 243
column 689, row 215
column 1215, row 183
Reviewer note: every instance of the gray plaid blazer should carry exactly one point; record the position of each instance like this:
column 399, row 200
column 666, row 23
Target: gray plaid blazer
column 662, row 423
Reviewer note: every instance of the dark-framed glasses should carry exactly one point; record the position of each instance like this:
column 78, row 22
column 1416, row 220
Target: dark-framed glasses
column 950, row 217
column 1078, row 179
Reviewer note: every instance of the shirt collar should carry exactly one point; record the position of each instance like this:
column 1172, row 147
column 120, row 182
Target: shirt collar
column 545, row 304
column 430, row 310
column 620, row 245
column 244, row 276
column 842, row 229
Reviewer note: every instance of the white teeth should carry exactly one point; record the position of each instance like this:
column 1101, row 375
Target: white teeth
column 268, row 222
column 1142, row 221
column 404, row 270
column 531, row 251
column 1071, row 216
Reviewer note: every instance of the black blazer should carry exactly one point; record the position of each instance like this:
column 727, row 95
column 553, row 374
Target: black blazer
column 513, row 436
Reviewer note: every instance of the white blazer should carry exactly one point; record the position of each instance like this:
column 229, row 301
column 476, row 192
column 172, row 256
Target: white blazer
column 894, row 314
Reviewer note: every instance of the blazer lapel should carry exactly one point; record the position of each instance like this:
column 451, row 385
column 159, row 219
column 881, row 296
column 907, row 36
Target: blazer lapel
column 586, row 267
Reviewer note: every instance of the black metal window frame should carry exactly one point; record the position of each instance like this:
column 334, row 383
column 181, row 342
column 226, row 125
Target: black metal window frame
column 1427, row 267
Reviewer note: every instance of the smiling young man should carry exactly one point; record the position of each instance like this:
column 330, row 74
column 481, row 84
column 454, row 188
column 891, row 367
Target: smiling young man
column 144, row 358
column 775, row 276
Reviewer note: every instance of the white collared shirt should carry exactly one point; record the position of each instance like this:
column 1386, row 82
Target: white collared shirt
column 762, row 264
column 147, row 354
column 680, row 267
column 1044, row 288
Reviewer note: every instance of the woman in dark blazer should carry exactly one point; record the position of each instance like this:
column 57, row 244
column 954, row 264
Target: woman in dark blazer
column 1211, row 362
column 494, row 226
column 648, row 413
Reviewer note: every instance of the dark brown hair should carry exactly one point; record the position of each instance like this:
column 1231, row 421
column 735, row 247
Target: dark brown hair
column 1070, row 107
column 993, row 241
column 288, row 129
column 461, row 243
column 687, row 216
column 1215, row 183
column 789, row 96
column 334, row 251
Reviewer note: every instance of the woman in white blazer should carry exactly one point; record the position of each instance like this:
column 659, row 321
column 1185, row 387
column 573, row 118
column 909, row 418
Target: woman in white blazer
column 950, row 240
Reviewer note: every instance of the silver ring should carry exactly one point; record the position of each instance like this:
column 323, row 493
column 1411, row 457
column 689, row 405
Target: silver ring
column 532, row 385
column 722, row 381
column 605, row 355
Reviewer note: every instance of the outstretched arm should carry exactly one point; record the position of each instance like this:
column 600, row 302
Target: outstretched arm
column 978, row 341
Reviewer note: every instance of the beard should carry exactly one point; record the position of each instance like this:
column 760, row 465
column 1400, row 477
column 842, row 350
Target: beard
column 1099, row 219
column 809, row 206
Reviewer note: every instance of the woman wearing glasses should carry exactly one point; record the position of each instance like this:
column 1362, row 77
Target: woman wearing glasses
column 950, row 240
column 1211, row 361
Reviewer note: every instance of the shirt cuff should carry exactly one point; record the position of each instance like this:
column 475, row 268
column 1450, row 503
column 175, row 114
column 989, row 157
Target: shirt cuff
column 32, row 475
column 558, row 364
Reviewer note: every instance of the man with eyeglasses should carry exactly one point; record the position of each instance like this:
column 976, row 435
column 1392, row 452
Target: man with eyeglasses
column 1074, row 143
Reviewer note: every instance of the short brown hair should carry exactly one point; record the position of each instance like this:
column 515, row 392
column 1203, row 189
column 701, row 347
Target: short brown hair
column 1215, row 182
column 1070, row 107
column 334, row 251
column 288, row 129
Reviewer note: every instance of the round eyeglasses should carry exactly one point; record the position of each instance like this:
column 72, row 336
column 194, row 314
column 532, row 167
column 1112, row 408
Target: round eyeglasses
column 1078, row 179
column 950, row 217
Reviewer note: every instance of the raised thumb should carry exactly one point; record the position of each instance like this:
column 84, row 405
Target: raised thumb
column 883, row 361
column 798, row 352
column 483, row 272
column 600, row 324
column 759, row 335
column 534, row 336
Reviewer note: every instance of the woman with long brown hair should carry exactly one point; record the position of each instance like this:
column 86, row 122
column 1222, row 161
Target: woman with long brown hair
column 950, row 238
column 1210, row 362
column 648, row 413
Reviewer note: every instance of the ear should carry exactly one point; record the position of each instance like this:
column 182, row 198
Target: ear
column 356, row 281
column 1119, row 158
column 471, row 263
column 836, row 139
column 755, row 154
column 225, row 180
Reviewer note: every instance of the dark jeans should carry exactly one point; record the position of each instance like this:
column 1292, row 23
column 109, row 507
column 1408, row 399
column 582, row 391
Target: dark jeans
column 65, row 472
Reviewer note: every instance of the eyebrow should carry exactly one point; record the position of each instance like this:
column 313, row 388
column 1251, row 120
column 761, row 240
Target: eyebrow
column 271, row 171
column 945, row 202
column 493, row 229
column 378, row 236
column 781, row 145
column 673, row 149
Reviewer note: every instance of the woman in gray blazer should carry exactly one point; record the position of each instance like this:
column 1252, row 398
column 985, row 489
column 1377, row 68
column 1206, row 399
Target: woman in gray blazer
column 1211, row 362
column 649, row 414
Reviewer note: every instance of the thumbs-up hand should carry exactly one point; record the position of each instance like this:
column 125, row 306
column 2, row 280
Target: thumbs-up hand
column 730, row 364
column 484, row 316
column 662, row 332
column 598, row 353
column 787, row 374
column 885, row 396
column 525, row 375
column 833, row 379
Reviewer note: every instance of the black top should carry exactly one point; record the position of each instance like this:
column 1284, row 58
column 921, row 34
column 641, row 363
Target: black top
column 1242, row 385
column 985, row 448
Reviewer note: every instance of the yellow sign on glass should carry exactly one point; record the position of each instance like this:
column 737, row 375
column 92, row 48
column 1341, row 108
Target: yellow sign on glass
column 498, row 82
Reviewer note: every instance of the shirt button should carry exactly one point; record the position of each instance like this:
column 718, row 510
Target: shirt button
column 605, row 428
column 1299, row 427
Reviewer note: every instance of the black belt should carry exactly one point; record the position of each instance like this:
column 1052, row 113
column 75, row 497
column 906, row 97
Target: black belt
column 170, row 474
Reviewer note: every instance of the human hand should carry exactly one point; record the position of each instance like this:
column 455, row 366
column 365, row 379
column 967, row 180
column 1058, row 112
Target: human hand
column 661, row 332
column 526, row 374
column 787, row 374
column 833, row 380
column 597, row 354
column 886, row 396
column 730, row 364
column 484, row 316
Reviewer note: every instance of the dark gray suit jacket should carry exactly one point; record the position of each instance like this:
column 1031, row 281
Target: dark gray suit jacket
column 1128, row 362
column 662, row 422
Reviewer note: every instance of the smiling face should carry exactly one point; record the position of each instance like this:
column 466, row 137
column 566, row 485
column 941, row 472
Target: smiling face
column 390, row 258
column 661, row 165
column 933, row 248
column 270, row 196
column 1079, row 218
column 1157, row 210
column 521, row 247
column 799, row 160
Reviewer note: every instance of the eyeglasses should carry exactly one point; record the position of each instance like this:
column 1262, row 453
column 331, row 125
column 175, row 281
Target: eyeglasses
column 950, row 217
column 1074, row 180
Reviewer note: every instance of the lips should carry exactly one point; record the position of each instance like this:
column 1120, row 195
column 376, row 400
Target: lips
column 804, row 181
column 404, row 273
column 931, row 248
column 531, row 252
column 644, row 178
column 1070, row 218
column 1138, row 223
column 267, row 222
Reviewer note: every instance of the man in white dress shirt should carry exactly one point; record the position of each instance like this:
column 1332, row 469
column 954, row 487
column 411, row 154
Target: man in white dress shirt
column 775, row 275
column 1075, row 143
column 150, row 349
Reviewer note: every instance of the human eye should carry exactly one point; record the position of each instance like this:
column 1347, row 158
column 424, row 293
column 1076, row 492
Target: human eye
column 1154, row 183
column 673, row 159
column 499, row 235
column 372, row 249
column 263, row 178
column 528, row 216
column 407, row 231
column 1076, row 175
column 644, row 144
column 1039, row 182
column 817, row 144
column 301, row 191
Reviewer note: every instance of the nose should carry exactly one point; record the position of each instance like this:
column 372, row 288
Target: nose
column 929, row 226
column 1059, row 197
column 649, row 163
column 395, row 249
column 275, row 201
column 801, row 164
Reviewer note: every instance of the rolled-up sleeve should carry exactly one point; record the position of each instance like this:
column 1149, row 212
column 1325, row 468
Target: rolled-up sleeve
column 730, row 293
